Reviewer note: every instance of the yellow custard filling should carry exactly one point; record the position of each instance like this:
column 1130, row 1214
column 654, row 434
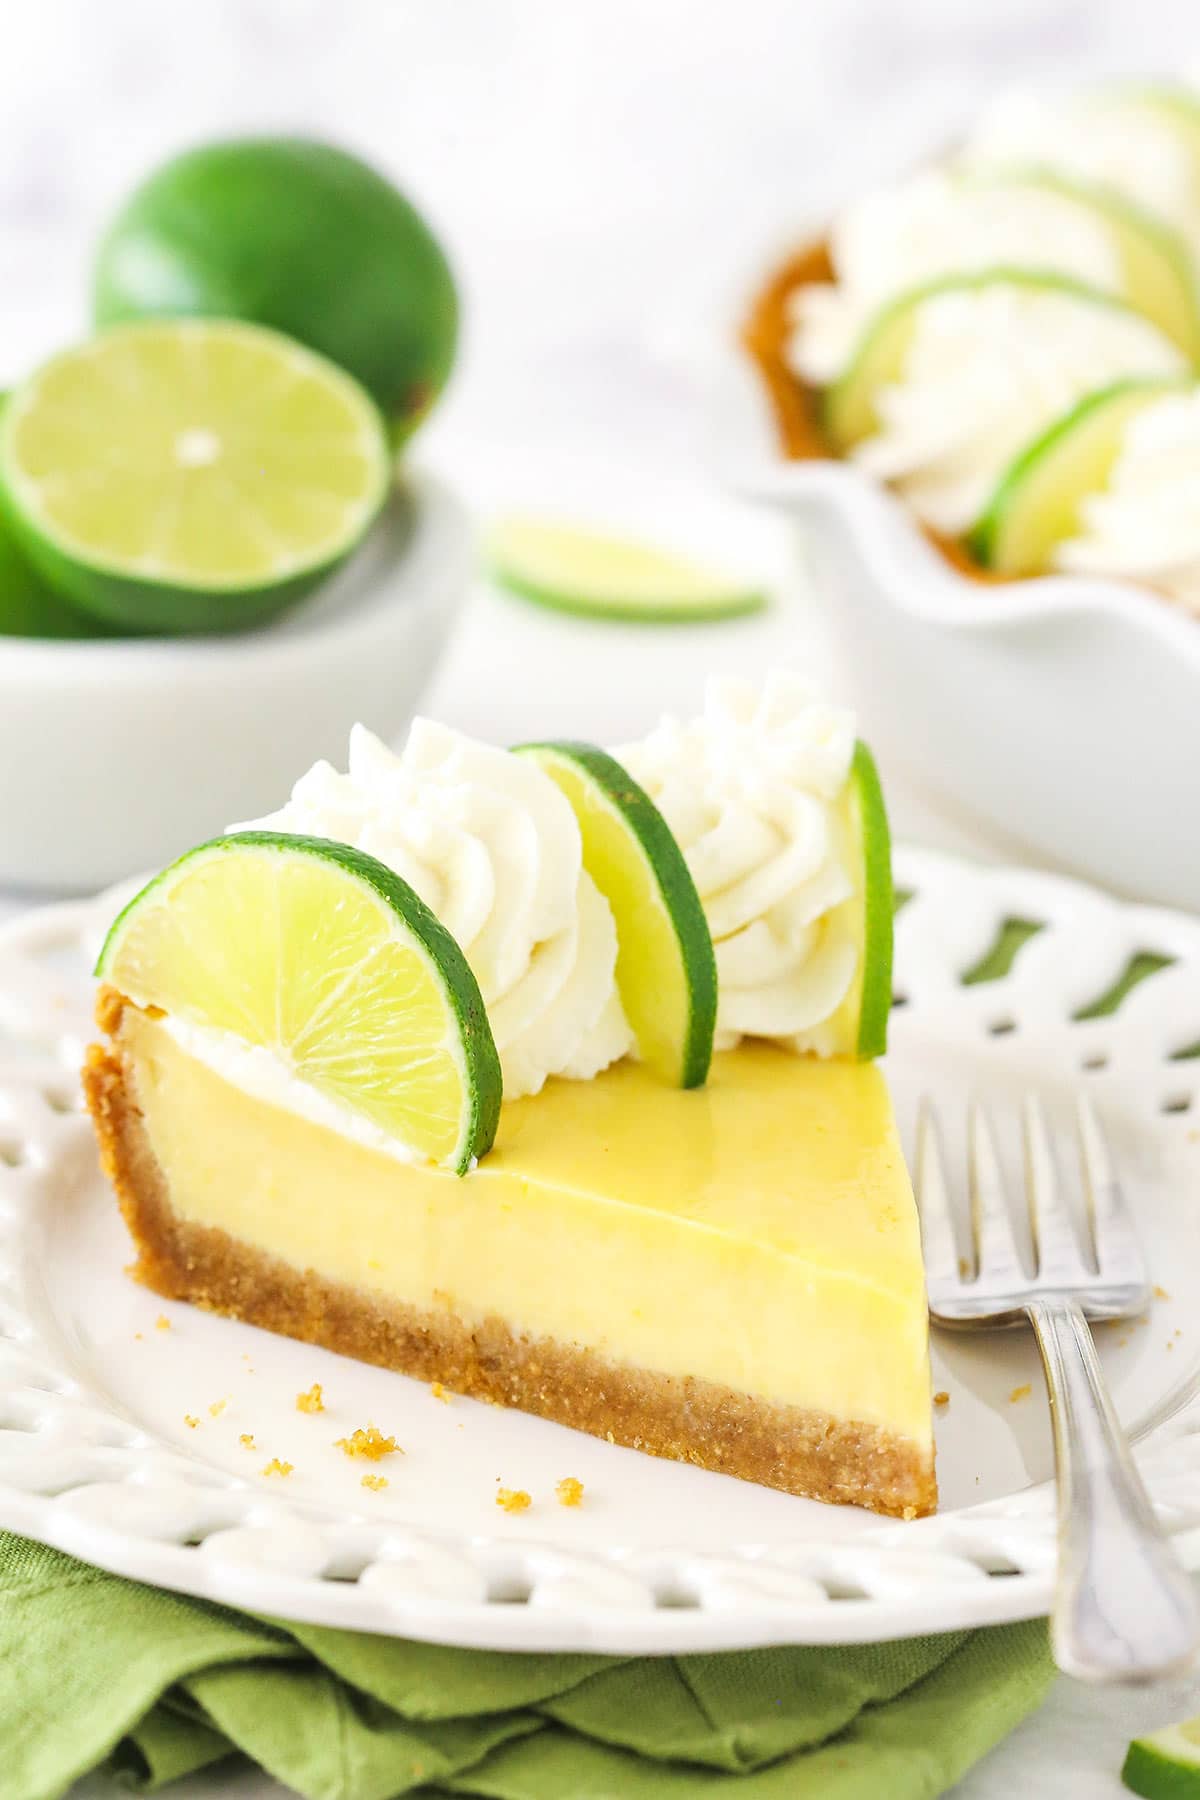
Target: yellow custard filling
column 759, row 1232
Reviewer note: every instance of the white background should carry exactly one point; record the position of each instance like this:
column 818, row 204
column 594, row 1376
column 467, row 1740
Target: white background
column 607, row 173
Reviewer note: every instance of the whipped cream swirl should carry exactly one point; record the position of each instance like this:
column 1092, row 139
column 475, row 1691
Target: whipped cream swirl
column 1118, row 136
column 750, row 791
column 493, row 848
column 987, row 370
column 1146, row 524
column 939, row 223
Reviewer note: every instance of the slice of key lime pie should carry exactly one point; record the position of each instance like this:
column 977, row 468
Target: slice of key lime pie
column 422, row 1069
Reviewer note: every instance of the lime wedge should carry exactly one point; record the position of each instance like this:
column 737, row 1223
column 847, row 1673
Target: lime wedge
column 860, row 1026
column 666, row 969
column 1036, row 504
column 190, row 475
column 320, row 955
column 1158, row 277
column 576, row 570
column 849, row 404
column 1165, row 1765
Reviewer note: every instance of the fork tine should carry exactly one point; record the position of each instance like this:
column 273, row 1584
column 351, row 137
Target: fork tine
column 995, row 1246
column 938, row 1241
column 1056, row 1246
column 1115, row 1243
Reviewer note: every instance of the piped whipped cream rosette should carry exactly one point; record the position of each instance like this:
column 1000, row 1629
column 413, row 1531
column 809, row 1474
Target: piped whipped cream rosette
column 493, row 849
column 752, row 789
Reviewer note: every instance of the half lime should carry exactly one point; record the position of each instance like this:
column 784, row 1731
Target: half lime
column 190, row 475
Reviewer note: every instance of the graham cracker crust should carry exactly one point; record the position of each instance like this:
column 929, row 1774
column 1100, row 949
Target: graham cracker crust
column 796, row 405
column 800, row 1452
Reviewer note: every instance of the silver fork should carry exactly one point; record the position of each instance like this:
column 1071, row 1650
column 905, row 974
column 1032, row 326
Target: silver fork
column 1124, row 1610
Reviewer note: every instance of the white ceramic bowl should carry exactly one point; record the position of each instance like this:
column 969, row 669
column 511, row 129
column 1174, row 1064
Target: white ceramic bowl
column 1063, row 712
column 117, row 755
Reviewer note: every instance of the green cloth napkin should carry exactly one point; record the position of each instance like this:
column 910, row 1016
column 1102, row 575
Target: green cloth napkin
column 96, row 1671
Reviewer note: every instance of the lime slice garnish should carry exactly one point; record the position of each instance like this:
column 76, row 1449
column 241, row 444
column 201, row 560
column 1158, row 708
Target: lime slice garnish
column 324, row 957
column 1165, row 1765
column 577, row 570
column 1158, row 277
column 861, row 1024
column 849, row 413
column 1037, row 503
column 190, row 475
column 666, row 969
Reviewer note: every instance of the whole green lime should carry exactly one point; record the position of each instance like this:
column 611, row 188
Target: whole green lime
column 298, row 235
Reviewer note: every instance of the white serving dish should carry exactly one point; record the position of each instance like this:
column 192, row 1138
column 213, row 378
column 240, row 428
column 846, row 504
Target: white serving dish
column 1064, row 712
column 97, row 1457
column 116, row 755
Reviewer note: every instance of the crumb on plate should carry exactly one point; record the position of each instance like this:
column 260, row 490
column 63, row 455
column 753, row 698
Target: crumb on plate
column 246, row 1440
column 513, row 1500
column 1020, row 1393
column 191, row 1421
column 312, row 1401
column 370, row 1442
column 439, row 1393
column 1160, row 1293
column 217, row 1407
column 375, row 1482
column 569, row 1491
column 162, row 1323
column 275, row 1467
column 942, row 1399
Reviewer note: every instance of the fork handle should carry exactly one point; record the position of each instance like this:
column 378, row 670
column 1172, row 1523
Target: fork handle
column 1124, row 1609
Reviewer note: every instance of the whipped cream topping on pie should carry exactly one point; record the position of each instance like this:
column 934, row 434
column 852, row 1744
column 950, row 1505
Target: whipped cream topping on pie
column 750, row 790
column 934, row 224
column 1146, row 524
column 1115, row 136
column 493, row 848
column 987, row 370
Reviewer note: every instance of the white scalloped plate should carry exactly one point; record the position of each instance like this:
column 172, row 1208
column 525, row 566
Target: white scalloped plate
column 96, row 1456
